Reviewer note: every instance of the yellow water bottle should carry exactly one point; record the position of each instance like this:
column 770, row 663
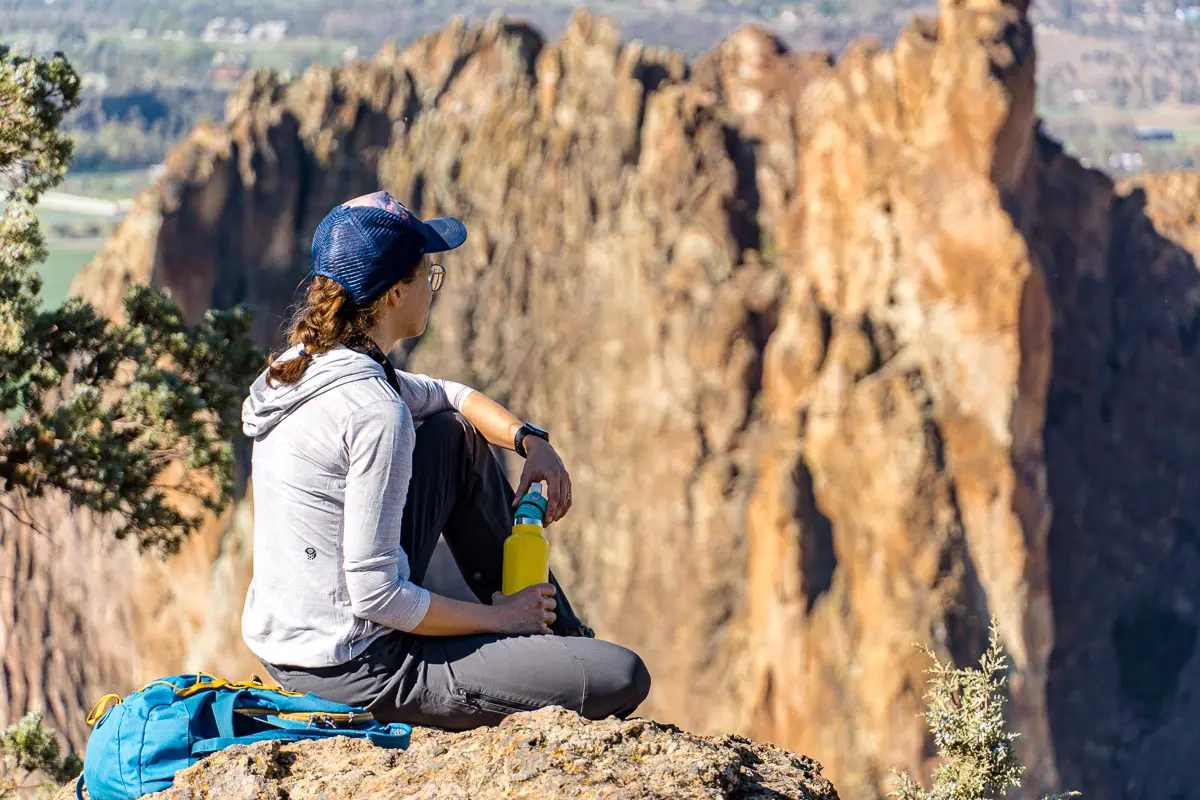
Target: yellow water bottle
column 526, row 551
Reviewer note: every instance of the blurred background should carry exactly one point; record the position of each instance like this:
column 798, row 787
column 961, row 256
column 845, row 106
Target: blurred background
column 847, row 346
column 1118, row 80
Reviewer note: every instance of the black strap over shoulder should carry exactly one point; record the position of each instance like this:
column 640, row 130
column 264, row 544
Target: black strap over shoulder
column 369, row 348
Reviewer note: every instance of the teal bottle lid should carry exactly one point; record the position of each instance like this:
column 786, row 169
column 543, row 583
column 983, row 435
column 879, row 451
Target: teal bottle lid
column 532, row 508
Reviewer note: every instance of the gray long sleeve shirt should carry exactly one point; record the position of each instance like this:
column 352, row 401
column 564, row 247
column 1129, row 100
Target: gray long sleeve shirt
column 330, row 470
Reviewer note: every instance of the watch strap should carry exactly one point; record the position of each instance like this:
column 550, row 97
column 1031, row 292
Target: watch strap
column 527, row 430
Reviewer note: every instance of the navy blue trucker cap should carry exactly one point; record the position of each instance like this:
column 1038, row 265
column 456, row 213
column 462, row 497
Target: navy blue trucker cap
column 370, row 243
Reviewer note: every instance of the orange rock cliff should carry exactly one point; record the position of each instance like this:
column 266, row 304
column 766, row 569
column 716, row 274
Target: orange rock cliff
column 842, row 357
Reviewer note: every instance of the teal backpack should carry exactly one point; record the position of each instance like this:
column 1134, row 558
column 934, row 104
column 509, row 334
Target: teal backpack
column 140, row 742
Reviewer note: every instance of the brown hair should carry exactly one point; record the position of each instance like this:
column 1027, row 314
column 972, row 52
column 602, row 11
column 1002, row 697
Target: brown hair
column 327, row 318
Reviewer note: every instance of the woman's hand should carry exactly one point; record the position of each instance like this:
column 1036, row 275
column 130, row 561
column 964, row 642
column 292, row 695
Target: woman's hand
column 529, row 611
column 543, row 464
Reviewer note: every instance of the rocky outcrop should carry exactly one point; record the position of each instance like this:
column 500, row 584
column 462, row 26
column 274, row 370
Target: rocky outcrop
column 548, row 753
column 842, row 357
column 59, row 620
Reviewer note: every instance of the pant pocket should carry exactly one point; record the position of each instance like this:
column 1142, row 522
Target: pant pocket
column 485, row 701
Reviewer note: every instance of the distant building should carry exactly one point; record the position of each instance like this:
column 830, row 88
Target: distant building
column 1154, row 133
column 270, row 31
column 223, row 58
column 1128, row 162
column 212, row 31
column 223, row 29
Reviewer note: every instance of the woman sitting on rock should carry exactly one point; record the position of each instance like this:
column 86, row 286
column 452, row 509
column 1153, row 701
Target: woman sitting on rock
column 358, row 467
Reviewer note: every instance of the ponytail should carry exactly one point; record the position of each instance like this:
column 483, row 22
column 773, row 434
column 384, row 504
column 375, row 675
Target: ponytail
column 327, row 319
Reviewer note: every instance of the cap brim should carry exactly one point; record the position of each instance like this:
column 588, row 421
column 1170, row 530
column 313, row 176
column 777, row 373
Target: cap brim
column 444, row 233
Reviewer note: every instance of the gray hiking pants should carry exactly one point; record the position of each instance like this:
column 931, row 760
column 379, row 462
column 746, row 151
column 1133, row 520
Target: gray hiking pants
column 459, row 490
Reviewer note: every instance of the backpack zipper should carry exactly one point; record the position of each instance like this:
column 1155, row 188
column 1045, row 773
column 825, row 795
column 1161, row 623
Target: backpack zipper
column 329, row 718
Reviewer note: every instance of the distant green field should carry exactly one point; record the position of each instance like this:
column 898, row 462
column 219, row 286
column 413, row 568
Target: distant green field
column 65, row 257
column 66, row 254
column 61, row 267
column 1189, row 134
column 73, row 239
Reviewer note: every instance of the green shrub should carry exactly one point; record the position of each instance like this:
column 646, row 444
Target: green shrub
column 31, row 762
column 965, row 713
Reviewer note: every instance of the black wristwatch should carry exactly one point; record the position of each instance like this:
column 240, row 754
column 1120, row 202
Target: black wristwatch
column 528, row 429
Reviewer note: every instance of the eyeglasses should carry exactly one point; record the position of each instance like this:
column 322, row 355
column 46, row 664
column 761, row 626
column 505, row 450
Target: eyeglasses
column 437, row 274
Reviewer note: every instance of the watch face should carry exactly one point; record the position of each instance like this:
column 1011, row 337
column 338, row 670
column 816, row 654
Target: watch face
column 536, row 431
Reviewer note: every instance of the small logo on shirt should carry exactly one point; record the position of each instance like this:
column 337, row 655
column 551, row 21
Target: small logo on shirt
column 311, row 552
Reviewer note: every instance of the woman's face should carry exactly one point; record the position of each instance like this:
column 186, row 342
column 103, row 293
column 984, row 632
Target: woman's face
column 408, row 314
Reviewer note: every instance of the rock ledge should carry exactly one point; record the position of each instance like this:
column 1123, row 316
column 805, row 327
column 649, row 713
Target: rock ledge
column 552, row 753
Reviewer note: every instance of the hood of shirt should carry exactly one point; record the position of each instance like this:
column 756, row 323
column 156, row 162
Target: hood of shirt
column 268, row 404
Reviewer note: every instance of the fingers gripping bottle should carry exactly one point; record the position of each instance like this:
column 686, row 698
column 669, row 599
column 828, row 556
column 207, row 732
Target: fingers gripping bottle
column 526, row 551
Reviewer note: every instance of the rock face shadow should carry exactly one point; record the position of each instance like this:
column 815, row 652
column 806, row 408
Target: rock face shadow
column 1122, row 428
column 818, row 560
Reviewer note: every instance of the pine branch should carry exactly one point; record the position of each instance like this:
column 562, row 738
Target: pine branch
column 104, row 410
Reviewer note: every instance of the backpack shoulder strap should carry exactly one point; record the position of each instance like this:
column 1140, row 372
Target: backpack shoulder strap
column 395, row 735
column 392, row 737
column 206, row 746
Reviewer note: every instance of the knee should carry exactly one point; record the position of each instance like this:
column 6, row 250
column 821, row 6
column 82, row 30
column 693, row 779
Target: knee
column 446, row 430
column 638, row 685
column 625, row 686
column 445, row 425
column 448, row 438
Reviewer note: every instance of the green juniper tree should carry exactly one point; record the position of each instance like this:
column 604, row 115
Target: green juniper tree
column 123, row 418
column 964, row 709
column 31, row 762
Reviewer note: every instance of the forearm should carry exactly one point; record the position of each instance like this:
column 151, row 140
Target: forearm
column 494, row 421
column 449, row 617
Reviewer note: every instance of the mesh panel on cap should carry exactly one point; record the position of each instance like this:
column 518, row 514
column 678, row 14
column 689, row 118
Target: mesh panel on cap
column 366, row 250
